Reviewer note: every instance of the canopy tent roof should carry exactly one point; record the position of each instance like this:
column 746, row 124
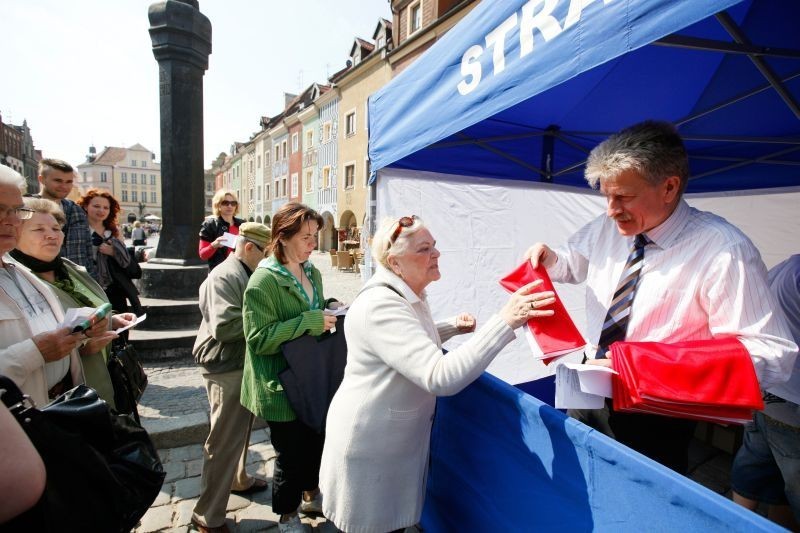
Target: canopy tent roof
column 524, row 90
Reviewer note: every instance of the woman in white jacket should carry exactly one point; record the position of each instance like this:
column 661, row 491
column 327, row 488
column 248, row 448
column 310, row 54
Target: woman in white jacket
column 374, row 464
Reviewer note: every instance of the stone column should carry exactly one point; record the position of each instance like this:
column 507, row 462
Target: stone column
column 181, row 38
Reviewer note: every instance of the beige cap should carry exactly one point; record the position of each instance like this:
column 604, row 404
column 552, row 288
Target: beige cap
column 258, row 233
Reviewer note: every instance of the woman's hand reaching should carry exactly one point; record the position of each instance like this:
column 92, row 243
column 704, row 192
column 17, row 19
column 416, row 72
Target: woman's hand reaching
column 525, row 304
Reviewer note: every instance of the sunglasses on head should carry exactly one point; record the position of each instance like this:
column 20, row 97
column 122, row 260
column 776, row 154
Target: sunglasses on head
column 404, row 222
column 229, row 203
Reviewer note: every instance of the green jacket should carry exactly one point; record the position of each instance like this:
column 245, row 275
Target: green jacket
column 274, row 312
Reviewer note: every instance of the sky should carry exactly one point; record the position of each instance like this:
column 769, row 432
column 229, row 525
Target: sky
column 82, row 72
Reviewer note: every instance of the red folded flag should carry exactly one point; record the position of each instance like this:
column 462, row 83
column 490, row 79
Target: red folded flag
column 704, row 380
column 551, row 336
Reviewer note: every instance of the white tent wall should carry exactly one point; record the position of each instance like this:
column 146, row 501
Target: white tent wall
column 483, row 227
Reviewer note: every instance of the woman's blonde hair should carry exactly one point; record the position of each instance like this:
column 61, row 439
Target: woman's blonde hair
column 382, row 245
column 40, row 205
column 219, row 196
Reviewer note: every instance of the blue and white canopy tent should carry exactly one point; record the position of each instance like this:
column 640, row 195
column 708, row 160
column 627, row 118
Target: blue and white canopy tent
column 485, row 136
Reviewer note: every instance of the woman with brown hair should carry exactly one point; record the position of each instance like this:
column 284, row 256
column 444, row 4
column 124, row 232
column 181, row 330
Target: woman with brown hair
column 283, row 301
column 111, row 257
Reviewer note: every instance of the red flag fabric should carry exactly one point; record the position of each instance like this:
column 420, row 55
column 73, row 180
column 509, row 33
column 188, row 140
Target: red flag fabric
column 554, row 335
column 710, row 380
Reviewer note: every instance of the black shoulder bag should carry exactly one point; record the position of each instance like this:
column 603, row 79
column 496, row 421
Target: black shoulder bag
column 103, row 471
column 127, row 377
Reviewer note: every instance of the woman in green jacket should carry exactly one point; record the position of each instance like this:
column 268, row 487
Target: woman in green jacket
column 283, row 301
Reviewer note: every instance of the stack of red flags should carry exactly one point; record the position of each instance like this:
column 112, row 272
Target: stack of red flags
column 551, row 336
column 711, row 380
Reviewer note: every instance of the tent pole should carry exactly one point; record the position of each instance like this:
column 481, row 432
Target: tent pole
column 738, row 35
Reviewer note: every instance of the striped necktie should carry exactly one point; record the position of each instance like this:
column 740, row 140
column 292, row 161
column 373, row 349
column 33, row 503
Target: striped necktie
column 616, row 324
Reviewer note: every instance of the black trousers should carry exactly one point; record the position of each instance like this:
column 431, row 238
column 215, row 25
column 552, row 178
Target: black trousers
column 298, row 453
column 661, row 438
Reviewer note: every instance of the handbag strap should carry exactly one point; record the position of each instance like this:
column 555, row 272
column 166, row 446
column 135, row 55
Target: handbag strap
column 381, row 284
column 10, row 394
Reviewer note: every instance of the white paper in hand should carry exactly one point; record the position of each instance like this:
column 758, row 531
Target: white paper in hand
column 136, row 322
column 582, row 386
column 229, row 240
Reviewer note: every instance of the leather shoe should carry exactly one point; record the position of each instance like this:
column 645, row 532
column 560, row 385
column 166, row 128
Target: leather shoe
column 257, row 486
column 203, row 529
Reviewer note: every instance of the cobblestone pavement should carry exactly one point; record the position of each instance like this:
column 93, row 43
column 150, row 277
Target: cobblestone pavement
column 176, row 391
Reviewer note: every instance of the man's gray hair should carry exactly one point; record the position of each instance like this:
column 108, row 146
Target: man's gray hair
column 9, row 176
column 652, row 148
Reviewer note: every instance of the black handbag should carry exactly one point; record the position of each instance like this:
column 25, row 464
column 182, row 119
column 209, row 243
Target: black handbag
column 103, row 472
column 127, row 377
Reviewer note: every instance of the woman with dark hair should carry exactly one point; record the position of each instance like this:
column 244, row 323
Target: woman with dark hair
column 211, row 247
column 111, row 257
column 283, row 301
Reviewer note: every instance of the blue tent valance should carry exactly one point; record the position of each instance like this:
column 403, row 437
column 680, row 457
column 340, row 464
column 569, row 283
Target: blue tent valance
column 524, row 89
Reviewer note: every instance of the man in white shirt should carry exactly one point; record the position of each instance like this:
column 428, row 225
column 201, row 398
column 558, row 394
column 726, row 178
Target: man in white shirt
column 700, row 277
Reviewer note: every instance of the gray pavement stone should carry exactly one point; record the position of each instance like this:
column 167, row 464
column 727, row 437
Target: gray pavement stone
column 165, row 496
column 183, row 512
column 194, row 467
column 256, row 518
column 186, row 488
column 156, row 519
column 236, row 502
column 174, row 471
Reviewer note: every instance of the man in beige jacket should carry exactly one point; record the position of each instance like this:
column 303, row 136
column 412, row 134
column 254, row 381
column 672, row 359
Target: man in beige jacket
column 219, row 350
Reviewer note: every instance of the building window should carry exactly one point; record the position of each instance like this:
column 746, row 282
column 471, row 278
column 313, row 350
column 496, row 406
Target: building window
column 84, row 176
column 366, row 171
column 251, row 166
column 133, row 162
column 134, row 196
column 266, row 157
column 104, row 177
column 209, row 187
column 295, row 142
column 124, row 177
column 277, row 153
column 327, row 128
column 259, row 193
column 153, row 197
column 266, row 191
column 258, row 162
column 124, row 195
column 414, row 17
column 144, row 164
column 350, row 124
column 208, row 203
column 277, row 189
column 294, row 184
column 283, row 150
column 326, row 177
column 252, row 193
column 283, row 187
column 309, row 139
column 309, row 180
column 133, row 177
column 349, row 176
column 152, row 179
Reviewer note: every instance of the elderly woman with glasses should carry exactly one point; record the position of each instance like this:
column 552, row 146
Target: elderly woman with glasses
column 38, row 246
column 40, row 356
column 374, row 463
column 212, row 241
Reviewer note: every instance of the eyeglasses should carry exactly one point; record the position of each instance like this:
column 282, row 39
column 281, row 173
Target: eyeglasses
column 22, row 213
column 404, row 222
column 254, row 243
column 229, row 203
